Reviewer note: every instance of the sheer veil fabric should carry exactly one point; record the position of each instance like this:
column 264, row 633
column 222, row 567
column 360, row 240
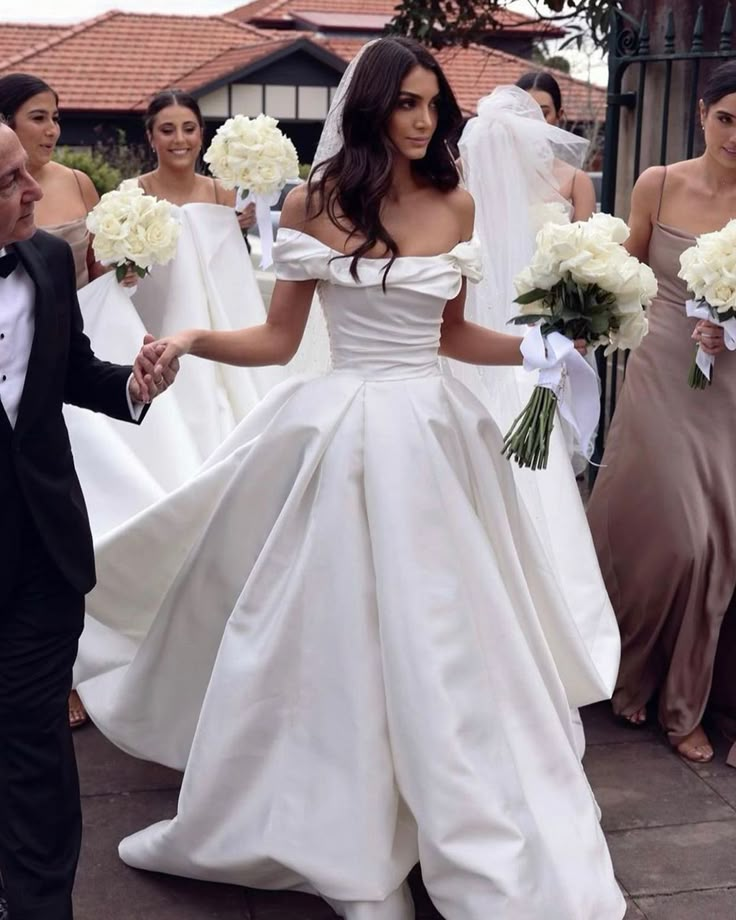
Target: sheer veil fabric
column 513, row 163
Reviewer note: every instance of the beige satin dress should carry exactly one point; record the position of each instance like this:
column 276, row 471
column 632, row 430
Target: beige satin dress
column 663, row 511
column 76, row 234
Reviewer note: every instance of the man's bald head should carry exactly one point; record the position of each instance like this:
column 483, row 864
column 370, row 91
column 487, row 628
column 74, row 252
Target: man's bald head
column 19, row 191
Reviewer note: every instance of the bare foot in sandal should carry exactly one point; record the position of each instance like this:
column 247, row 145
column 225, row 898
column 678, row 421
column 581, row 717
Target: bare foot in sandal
column 638, row 717
column 77, row 713
column 696, row 748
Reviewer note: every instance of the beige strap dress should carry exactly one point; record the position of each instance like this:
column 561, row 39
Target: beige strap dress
column 75, row 233
column 663, row 510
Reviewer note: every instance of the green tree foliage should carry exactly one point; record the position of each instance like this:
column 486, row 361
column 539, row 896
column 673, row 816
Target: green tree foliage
column 451, row 22
column 108, row 162
column 104, row 176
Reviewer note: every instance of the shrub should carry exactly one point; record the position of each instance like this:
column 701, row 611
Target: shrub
column 104, row 176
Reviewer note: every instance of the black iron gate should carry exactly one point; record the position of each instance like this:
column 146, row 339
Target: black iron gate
column 634, row 57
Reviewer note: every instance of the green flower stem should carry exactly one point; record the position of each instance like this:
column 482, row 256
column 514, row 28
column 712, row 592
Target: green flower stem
column 696, row 378
column 527, row 441
column 521, row 424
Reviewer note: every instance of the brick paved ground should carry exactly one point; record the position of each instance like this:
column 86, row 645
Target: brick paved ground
column 671, row 829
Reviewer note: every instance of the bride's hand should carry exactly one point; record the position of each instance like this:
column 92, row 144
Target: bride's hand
column 170, row 348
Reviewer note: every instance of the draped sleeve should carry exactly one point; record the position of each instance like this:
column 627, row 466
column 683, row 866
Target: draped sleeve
column 467, row 257
column 300, row 257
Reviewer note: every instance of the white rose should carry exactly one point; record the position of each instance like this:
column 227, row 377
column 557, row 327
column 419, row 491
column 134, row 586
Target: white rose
column 630, row 333
column 549, row 212
column 602, row 226
column 718, row 294
column 161, row 238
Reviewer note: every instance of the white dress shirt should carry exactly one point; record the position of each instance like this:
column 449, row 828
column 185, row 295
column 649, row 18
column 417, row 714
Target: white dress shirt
column 17, row 326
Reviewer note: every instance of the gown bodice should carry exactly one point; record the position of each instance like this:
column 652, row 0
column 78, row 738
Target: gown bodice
column 374, row 332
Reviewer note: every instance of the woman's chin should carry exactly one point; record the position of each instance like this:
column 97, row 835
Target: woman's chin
column 39, row 160
column 178, row 164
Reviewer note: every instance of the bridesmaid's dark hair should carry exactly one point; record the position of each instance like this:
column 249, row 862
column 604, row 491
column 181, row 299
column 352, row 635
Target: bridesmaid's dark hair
column 18, row 88
column 721, row 82
column 351, row 186
column 171, row 97
column 544, row 81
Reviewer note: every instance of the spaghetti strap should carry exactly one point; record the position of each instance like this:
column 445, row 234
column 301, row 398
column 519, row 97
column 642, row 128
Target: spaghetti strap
column 214, row 186
column 661, row 192
column 79, row 186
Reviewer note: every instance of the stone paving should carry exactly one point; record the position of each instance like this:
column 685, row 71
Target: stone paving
column 671, row 827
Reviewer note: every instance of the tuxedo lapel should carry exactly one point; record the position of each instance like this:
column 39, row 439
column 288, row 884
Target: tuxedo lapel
column 45, row 344
column 6, row 429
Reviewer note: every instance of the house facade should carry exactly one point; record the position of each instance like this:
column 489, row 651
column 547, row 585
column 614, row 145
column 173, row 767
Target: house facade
column 281, row 57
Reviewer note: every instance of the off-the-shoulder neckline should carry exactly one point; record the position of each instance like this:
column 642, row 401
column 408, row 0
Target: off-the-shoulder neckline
column 436, row 255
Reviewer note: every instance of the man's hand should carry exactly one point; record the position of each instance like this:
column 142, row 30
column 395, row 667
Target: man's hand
column 148, row 381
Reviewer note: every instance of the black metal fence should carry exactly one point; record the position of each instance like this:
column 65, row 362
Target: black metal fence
column 679, row 64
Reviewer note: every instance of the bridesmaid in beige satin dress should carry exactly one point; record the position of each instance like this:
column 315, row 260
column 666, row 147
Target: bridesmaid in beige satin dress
column 31, row 107
column 663, row 510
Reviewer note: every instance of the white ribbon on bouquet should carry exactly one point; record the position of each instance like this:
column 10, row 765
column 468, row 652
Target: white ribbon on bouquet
column 263, row 219
column 573, row 381
column 698, row 309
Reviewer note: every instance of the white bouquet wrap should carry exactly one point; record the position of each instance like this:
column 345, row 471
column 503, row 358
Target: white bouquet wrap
column 709, row 270
column 133, row 230
column 581, row 284
column 254, row 156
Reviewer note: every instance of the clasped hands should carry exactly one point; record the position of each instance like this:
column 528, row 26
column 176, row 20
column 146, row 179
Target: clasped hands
column 150, row 377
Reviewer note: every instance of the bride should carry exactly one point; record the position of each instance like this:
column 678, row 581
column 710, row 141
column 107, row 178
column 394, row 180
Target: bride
column 343, row 627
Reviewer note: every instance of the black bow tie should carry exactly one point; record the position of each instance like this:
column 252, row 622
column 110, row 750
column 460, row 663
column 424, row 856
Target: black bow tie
column 8, row 264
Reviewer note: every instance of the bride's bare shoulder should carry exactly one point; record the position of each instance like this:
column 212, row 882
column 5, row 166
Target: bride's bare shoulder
column 294, row 209
column 463, row 208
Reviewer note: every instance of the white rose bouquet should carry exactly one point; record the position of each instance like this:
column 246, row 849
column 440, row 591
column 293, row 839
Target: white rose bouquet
column 548, row 212
column 254, row 156
column 133, row 230
column 709, row 270
column 581, row 284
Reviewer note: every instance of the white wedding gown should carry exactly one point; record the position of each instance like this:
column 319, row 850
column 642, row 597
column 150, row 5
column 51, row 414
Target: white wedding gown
column 124, row 468
column 209, row 284
column 345, row 632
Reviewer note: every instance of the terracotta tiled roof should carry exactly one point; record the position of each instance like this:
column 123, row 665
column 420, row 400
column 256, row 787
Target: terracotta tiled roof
column 118, row 60
column 16, row 37
column 340, row 22
column 280, row 9
column 237, row 59
column 475, row 71
column 280, row 12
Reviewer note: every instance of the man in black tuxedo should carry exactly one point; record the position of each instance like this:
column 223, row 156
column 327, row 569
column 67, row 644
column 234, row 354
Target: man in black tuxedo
column 46, row 557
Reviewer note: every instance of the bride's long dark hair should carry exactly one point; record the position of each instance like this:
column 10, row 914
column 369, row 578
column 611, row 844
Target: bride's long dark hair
column 351, row 185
